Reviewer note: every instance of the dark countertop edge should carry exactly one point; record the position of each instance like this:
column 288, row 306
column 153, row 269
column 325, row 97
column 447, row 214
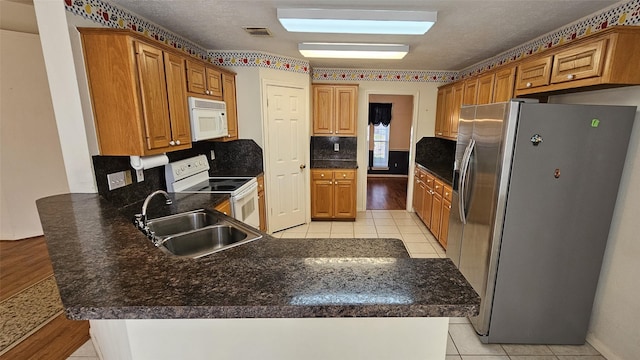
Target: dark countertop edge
column 334, row 164
column 270, row 312
column 439, row 176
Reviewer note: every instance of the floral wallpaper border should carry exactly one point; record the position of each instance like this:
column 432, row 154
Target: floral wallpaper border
column 626, row 14
column 383, row 75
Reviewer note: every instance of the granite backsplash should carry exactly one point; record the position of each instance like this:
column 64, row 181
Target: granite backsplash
column 240, row 158
column 437, row 155
column 322, row 148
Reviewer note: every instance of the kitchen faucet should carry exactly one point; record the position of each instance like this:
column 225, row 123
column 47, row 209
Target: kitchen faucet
column 141, row 219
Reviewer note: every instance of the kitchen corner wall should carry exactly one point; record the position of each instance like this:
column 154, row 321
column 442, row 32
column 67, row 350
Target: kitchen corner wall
column 615, row 317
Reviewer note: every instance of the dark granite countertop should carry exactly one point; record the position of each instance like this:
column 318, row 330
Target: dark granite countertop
column 334, row 164
column 107, row 269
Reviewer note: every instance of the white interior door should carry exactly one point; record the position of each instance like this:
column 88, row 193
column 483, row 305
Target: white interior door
column 287, row 136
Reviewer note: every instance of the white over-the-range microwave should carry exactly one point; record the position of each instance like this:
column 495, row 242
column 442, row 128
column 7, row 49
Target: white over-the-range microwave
column 208, row 119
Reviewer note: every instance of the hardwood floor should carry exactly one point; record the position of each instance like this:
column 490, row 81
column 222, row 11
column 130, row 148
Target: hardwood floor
column 22, row 264
column 386, row 193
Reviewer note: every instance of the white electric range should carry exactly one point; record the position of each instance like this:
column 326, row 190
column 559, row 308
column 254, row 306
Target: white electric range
column 192, row 176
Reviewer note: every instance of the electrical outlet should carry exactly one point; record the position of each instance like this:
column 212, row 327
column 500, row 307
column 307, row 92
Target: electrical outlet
column 213, row 155
column 140, row 175
column 119, row 179
column 336, row 147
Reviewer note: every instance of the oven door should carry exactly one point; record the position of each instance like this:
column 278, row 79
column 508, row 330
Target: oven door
column 245, row 206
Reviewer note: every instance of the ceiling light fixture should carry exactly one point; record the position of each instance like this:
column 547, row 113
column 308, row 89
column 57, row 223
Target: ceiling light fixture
column 345, row 21
column 353, row 51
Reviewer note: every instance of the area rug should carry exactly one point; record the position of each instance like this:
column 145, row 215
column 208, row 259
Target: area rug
column 27, row 311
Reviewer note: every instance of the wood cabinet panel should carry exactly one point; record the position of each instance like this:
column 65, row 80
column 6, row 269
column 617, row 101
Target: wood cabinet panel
column 178, row 106
column 454, row 120
column 214, row 82
column 578, row 63
column 444, row 224
column 196, row 77
column 436, row 214
column 224, row 207
column 485, row 89
column 534, row 73
column 262, row 208
column 333, row 194
column 503, row 85
column 229, row 97
column 335, row 109
column 470, row 91
column 441, row 112
column 432, row 203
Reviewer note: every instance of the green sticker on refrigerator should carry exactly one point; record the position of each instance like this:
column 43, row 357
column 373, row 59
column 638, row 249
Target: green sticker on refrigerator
column 595, row 123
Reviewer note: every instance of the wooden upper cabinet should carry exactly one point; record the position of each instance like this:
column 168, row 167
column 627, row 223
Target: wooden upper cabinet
column 203, row 80
column 229, row 97
column 485, row 89
column 153, row 93
column 534, row 73
column 470, row 91
column 440, row 112
column 578, row 63
column 335, row 109
column 458, row 95
column 345, row 117
column 178, row 106
column 137, row 93
column 503, row 85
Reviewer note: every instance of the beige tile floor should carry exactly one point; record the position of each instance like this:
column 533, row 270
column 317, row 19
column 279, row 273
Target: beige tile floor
column 463, row 342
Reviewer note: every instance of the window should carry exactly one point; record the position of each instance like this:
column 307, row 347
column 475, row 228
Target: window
column 381, row 147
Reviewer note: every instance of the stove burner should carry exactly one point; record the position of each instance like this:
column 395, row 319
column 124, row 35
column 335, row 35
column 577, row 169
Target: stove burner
column 223, row 187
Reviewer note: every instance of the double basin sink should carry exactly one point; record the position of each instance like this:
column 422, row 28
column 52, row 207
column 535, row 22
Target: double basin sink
column 198, row 233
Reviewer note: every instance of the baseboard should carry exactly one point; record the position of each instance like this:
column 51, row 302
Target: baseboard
column 602, row 348
column 386, row 175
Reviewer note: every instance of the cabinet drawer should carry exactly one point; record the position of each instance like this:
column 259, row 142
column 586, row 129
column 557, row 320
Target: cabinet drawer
column 430, row 179
column 438, row 186
column 321, row 174
column 534, row 73
column 344, row 174
column 580, row 63
column 446, row 192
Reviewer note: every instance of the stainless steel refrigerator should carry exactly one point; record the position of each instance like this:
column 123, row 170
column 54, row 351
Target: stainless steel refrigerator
column 535, row 187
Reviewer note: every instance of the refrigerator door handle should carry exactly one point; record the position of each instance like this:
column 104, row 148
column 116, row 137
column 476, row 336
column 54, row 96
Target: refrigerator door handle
column 466, row 159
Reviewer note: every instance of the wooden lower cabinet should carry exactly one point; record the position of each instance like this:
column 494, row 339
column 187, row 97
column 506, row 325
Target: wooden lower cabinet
column 333, row 194
column 224, row 207
column 262, row 209
column 432, row 203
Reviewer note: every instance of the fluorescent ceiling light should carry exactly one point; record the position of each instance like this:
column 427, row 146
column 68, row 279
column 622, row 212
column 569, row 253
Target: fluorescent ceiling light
column 353, row 51
column 344, row 21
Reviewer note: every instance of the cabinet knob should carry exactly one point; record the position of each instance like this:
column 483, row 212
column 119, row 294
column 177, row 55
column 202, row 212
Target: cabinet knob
column 529, row 84
column 172, row 142
column 321, row 175
column 330, row 182
column 207, row 92
column 437, row 187
column 177, row 142
column 570, row 76
column 344, row 175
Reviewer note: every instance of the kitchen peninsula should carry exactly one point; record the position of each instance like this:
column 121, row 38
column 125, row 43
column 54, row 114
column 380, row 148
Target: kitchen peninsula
column 288, row 298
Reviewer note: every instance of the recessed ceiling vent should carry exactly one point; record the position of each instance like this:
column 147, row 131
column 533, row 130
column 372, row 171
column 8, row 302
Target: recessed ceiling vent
column 257, row 31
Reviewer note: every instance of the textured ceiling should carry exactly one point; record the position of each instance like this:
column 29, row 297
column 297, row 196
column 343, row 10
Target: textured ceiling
column 467, row 31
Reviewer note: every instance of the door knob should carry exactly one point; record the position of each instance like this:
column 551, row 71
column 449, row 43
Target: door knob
column 303, row 166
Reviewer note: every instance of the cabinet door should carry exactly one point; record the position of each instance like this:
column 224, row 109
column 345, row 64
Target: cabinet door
column 485, row 89
column 153, row 93
column 321, row 194
column 503, row 87
column 177, row 96
column 214, row 82
column 533, row 73
column 196, row 77
column 323, row 109
column 427, row 204
column 458, row 93
column 470, row 91
column 224, row 207
column 448, row 108
column 580, row 62
column 418, row 194
column 440, row 112
column 262, row 210
column 436, row 215
column 345, row 110
column 344, row 199
column 229, row 96
column 444, row 223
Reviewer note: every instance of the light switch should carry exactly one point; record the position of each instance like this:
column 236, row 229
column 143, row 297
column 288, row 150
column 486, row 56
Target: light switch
column 336, row 147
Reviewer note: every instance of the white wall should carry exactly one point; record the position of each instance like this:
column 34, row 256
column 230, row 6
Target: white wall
column 31, row 163
column 61, row 72
column 424, row 120
column 615, row 320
